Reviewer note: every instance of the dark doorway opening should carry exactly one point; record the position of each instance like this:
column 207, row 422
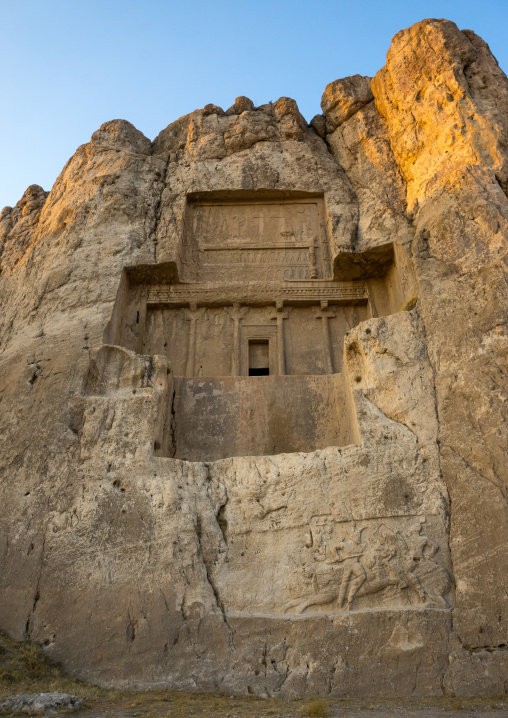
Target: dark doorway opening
column 259, row 358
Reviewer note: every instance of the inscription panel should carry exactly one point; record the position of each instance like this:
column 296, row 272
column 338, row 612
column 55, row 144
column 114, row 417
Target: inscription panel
column 256, row 241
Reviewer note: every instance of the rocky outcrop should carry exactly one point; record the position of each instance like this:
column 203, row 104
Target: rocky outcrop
column 362, row 147
column 17, row 225
column 40, row 703
column 343, row 98
column 368, row 246
column 449, row 139
column 212, row 133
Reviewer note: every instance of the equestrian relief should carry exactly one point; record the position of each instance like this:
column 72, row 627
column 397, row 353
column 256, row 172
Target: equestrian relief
column 350, row 568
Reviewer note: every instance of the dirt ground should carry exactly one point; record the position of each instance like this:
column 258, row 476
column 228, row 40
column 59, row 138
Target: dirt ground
column 195, row 706
column 223, row 707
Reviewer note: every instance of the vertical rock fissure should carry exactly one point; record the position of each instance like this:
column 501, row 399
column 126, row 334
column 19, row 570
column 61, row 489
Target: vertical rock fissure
column 213, row 586
column 172, row 426
column 37, row 595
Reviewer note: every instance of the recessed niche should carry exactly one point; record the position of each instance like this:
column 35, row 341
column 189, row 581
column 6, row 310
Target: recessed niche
column 252, row 319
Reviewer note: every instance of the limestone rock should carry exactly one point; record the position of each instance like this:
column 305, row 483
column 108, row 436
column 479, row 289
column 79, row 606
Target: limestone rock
column 40, row 703
column 17, row 225
column 342, row 98
column 362, row 147
column 292, row 124
column 241, row 104
column 448, row 140
column 318, row 123
column 441, row 127
column 206, row 135
column 252, row 392
column 267, row 108
column 213, row 110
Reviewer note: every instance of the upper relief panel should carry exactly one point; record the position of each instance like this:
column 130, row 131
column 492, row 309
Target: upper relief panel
column 212, row 152
column 256, row 241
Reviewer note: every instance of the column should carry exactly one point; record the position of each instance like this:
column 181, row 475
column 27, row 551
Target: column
column 325, row 314
column 279, row 316
column 237, row 313
column 190, row 369
column 313, row 262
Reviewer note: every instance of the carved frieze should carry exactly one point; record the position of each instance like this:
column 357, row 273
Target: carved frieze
column 335, row 293
column 397, row 561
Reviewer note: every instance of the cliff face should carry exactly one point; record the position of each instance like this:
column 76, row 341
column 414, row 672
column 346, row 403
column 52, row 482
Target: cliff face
column 185, row 320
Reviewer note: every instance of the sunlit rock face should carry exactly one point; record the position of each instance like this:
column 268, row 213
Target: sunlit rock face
column 252, row 392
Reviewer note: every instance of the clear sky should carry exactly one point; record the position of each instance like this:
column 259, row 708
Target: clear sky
column 70, row 65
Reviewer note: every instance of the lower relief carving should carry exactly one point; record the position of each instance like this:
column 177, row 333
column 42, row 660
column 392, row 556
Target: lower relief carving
column 353, row 566
column 347, row 563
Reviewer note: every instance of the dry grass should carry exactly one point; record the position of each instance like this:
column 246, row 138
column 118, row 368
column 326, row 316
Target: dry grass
column 410, row 304
column 24, row 668
column 317, row 708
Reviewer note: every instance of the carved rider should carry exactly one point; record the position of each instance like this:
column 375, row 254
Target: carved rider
column 354, row 574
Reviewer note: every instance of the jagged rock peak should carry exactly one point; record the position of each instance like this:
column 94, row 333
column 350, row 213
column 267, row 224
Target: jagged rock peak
column 117, row 135
column 211, row 133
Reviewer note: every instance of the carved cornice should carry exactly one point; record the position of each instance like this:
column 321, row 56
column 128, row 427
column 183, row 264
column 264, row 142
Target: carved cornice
column 304, row 293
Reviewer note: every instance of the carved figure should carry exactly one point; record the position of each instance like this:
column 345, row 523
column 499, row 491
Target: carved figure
column 354, row 574
column 435, row 579
column 324, row 585
column 365, row 562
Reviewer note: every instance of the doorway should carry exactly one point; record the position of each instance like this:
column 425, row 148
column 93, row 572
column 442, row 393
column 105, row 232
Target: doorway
column 259, row 357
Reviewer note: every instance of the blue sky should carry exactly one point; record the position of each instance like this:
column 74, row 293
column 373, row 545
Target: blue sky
column 69, row 65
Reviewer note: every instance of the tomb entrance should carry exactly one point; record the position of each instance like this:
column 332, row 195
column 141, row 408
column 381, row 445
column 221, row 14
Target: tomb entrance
column 253, row 327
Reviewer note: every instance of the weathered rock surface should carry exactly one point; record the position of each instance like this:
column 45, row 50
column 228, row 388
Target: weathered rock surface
column 16, row 226
column 342, row 98
column 361, row 263
column 40, row 703
column 455, row 178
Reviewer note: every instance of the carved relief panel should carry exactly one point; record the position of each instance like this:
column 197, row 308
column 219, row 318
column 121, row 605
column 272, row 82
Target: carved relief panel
column 256, row 241
column 331, row 566
column 256, row 297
